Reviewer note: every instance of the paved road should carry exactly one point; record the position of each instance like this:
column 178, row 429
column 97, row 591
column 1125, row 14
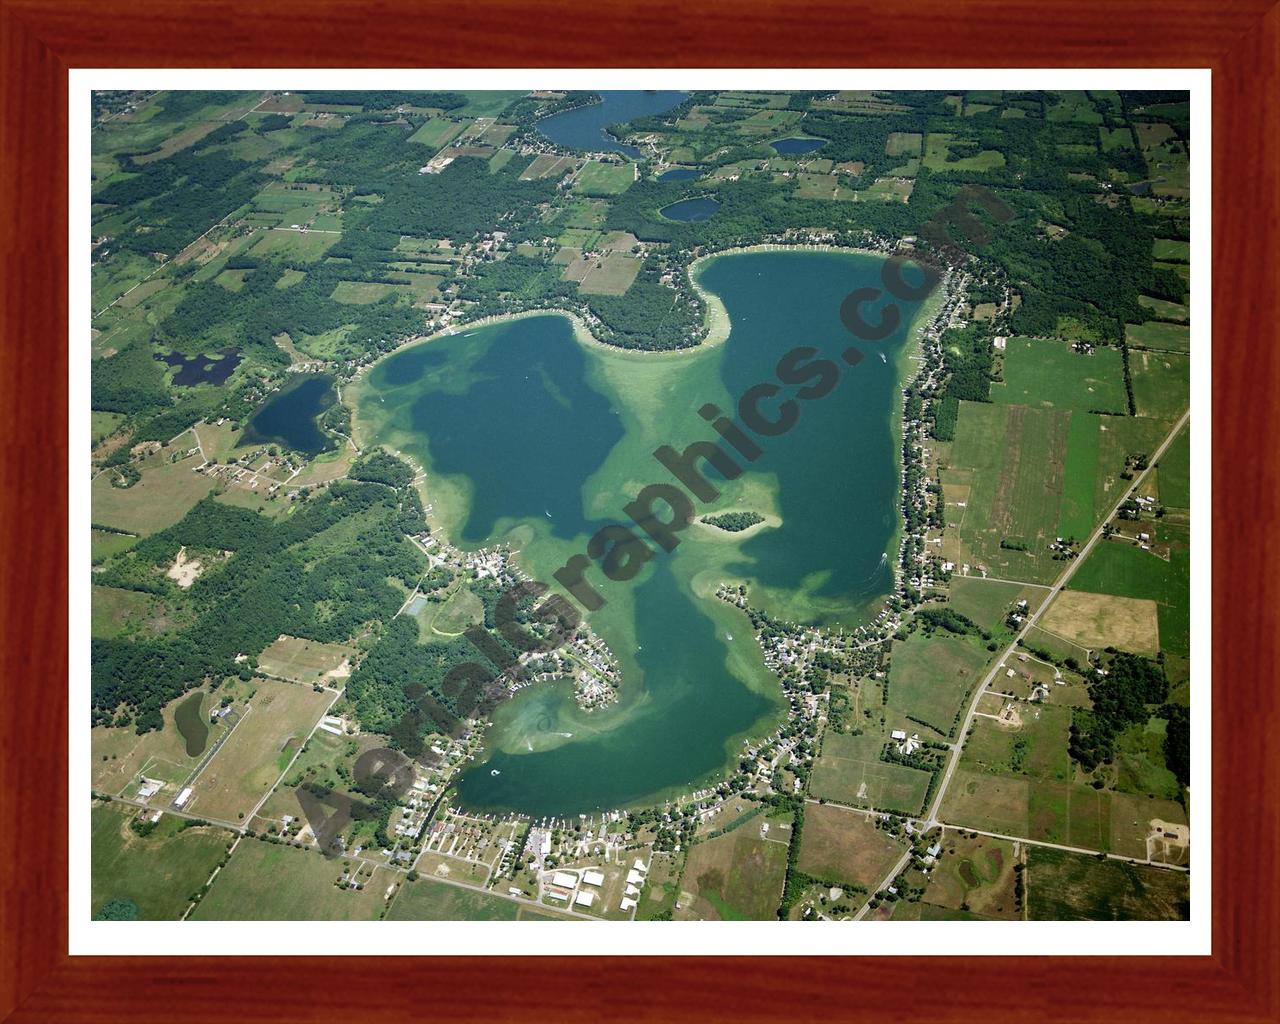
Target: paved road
column 956, row 748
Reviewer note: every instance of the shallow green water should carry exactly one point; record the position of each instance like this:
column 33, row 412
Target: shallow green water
column 532, row 437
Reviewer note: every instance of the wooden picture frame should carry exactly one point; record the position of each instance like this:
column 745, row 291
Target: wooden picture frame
column 41, row 40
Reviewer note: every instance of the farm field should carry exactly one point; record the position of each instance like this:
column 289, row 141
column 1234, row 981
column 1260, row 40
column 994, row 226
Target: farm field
column 429, row 900
column 988, row 602
column 243, row 770
column 1156, row 334
column 159, row 872
column 266, row 881
column 1040, row 374
column 1122, row 569
column 1161, row 383
column 437, row 132
column 1173, row 474
column 601, row 179
column 1034, row 747
column 165, row 494
column 850, row 772
column 737, row 876
column 1166, row 310
column 1098, row 621
column 1065, row 886
column 843, row 846
column 931, row 677
column 307, row 661
column 1013, row 461
column 937, row 156
column 974, row 874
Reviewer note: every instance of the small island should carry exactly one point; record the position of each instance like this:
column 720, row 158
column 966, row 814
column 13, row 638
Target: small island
column 734, row 522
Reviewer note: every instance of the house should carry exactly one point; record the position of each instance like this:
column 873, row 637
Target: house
column 182, row 797
column 627, row 904
column 565, row 880
column 634, row 877
column 898, row 735
column 584, row 899
column 593, row 878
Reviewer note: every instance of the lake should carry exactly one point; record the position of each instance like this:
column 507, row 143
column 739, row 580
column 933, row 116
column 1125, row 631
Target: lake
column 681, row 174
column 532, row 437
column 201, row 369
column 288, row 417
column 792, row 147
column 690, row 210
column 584, row 127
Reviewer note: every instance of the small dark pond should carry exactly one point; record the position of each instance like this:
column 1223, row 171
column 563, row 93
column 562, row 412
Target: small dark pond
column 793, row 147
column 201, row 369
column 289, row 416
column 690, row 210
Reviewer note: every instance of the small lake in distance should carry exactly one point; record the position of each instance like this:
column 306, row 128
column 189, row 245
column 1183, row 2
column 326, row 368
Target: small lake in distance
column 794, row 147
column 680, row 174
column 584, row 127
column 690, row 210
column 202, row 369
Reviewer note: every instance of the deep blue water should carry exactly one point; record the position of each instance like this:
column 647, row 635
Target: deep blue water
column 793, row 147
column 680, row 174
column 584, row 127
column 202, row 369
column 289, row 416
column 690, row 210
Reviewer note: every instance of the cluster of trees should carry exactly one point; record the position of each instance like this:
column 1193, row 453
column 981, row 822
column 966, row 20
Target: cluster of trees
column 387, row 99
column 1121, row 698
column 284, row 577
column 734, row 522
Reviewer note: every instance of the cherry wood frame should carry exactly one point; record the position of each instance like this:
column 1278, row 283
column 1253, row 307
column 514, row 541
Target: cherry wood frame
column 41, row 39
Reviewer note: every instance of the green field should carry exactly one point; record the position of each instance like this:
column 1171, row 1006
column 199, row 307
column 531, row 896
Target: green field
column 159, row 873
column 1049, row 374
column 1078, row 512
column 1037, row 748
column 1172, row 250
column 850, row 772
column 287, row 244
column 1161, row 383
column 1120, row 568
column 988, row 602
column 1115, row 138
column 930, row 678
column 737, row 876
column 429, row 900
column 436, row 132
column 1173, row 474
column 602, row 179
column 1159, row 335
column 1008, row 462
column 937, row 153
column 1164, row 309
column 165, row 494
column 1065, row 886
column 273, row 882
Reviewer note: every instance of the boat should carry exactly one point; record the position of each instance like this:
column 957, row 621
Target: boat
column 495, row 771
column 882, row 358
column 548, row 514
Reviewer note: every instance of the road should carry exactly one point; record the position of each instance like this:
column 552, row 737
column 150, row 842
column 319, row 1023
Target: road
column 931, row 820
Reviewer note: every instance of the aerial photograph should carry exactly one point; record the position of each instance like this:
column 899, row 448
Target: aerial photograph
column 649, row 505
